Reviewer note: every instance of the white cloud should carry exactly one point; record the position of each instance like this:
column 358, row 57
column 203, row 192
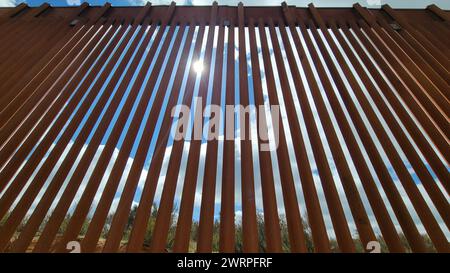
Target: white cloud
column 73, row 2
column 154, row 3
column 8, row 3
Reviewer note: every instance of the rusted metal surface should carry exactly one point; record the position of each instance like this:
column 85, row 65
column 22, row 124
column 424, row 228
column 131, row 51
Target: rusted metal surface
column 87, row 152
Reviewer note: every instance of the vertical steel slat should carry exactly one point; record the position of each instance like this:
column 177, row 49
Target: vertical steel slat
column 249, row 226
column 14, row 89
column 421, row 207
column 16, row 26
column 41, row 209
column 26, row 60
column 419, row 37
column 439, row 12
column 436, row 86
column 439, row 28
column 206, row 218
column 271, row 220
column 12, row 13
column 48, row 117
column 20, row 33
column 341, row 228
column 429, row 96
column 23, row 59
column 11, row 53
column 369, row 185
column 21, row 155
column 295, row 223
column 49, row 232
column 406, row 119
column 422, row 172
column 94, row 181
column 184, row 222
column 17, row 33
column 11, row 18
column 47, row 62
column 430, row 109
column 101, row 212
column 137, row 235
column 439, row 140
column 92, row 119
column 123, row 209
column 362, row 222
column 17, row 60
column 433, row 69
column 315, row 217
column 31, row 34
column 30, row 67
column 370, row 147
column 438, row 31
column 33, row 22
column 398, row 108
column 11, row 25
column 40, row 178
column 38, row 105
column 421, row 58
column 386, row 225
column 163, row 218
column 45, row 31
column 227, row 227
column 436, row 34
column 293, row 217
column 165, row 209
column 18, row 112
column 27, row 199
column 407, row 224
column 356, row 206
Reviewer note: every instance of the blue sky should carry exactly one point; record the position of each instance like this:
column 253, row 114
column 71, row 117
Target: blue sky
column 445, row 4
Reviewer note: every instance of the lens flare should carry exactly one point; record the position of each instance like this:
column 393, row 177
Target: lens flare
column 198, row 67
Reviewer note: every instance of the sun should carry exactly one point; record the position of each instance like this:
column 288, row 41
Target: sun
column 198, row 67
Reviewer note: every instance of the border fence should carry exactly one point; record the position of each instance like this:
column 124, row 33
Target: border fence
column 362, row 152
